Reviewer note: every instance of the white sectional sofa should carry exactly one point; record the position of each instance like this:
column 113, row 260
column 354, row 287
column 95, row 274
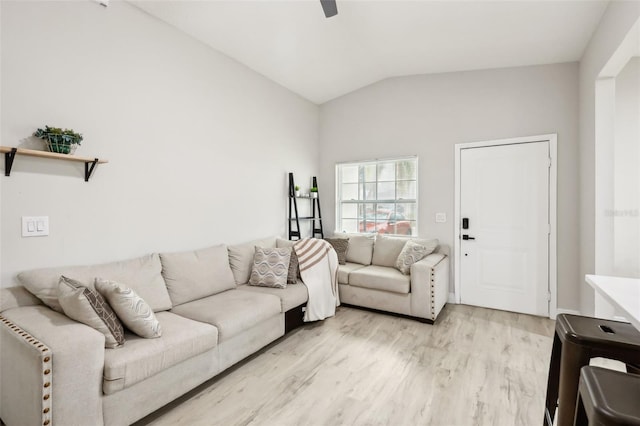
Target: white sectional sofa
column 55, row 370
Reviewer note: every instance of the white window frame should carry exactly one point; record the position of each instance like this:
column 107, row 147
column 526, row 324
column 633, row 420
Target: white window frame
column 340, row 202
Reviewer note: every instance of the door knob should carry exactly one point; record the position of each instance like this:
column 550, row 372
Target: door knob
column 466, row 237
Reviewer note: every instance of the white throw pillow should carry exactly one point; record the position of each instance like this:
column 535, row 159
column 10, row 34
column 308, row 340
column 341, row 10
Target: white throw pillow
column 270, row 267
column 132, row 310
column 414, row 251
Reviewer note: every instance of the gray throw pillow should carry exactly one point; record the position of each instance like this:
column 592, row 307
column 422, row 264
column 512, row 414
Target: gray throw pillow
column 341, row 246
column 414, row 251
column 89, row 307
column 132, row 310
column 270, row 267
column 294, row 269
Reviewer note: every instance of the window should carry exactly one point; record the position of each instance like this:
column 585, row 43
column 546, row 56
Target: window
column 378, row 196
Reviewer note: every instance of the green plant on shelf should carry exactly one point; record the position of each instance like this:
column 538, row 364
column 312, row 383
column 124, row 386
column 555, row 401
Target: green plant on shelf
column 59, row 140
column 313, row 189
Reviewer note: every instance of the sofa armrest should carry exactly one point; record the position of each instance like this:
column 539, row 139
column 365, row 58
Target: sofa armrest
column 429, row 286
column 51, row 369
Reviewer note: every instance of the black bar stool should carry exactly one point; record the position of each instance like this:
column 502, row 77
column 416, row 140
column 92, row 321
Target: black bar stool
column 607, row 398
column 578, row 339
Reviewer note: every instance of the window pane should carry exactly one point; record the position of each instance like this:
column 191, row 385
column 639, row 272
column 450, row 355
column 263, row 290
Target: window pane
column 387, row 171
column 370, row 173
column 349, row 211
column 406, row 170
column 349, row 191
column 406, row 211
column 370, row 191
column 406, row 190
column 349, row 225
column 349, row 174
column 386, row 191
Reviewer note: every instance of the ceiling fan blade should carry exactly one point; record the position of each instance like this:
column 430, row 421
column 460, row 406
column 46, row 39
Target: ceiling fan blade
column 330, row 8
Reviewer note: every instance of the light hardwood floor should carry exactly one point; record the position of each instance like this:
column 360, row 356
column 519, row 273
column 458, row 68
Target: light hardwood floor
column 474, row 367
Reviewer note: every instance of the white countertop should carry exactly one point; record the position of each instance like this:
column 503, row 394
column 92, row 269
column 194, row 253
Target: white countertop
column 623, row 293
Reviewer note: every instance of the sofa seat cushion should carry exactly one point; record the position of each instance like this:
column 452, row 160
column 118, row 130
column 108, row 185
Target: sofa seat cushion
column 290, row 297
column 380, row 278
column 232, row 311
column 345, row 270
column 141, row 358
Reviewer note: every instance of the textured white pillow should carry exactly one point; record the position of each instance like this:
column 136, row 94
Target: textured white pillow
column 270, row 267
column 89, row 307
column 132, row 310
column 414, row 251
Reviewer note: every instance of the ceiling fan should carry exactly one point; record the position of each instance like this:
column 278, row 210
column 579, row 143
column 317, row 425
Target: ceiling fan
column 330, row 8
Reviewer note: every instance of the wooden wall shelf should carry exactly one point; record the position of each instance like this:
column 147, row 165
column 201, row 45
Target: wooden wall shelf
column 11, row 152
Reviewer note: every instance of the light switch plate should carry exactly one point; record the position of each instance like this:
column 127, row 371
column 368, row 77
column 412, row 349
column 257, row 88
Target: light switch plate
column 35, row 226
column 441, row 217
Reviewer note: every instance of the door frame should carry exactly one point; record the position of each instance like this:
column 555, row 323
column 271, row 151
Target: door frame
column 552, row 139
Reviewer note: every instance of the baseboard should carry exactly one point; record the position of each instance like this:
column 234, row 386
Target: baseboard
column 567, row 311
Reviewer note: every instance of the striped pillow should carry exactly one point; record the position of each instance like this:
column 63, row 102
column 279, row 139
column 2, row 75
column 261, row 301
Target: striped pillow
column 89, row 307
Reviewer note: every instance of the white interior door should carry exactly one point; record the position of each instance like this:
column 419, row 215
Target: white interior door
column 504, row 194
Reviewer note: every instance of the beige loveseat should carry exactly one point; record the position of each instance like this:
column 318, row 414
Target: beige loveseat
column 369, row 278
column 54, row 370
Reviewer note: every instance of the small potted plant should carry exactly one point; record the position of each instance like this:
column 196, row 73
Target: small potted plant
column 63, row 141
column 297, row 188
column 313, row 192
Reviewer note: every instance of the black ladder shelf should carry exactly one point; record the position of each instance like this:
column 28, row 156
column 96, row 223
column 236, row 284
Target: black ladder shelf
column 316, row 214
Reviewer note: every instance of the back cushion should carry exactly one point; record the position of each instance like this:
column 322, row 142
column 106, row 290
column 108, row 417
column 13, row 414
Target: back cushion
column 360, row 249
column 386, row 250
column 192, row 275
column 142, row 274
column 241, row 258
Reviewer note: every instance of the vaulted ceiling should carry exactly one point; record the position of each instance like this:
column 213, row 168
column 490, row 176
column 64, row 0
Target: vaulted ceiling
column 292, row 43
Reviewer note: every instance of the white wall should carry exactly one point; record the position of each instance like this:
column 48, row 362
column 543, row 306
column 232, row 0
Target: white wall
column 426, row 115
column 616, row 22
column 626, row 209
column 198, row 145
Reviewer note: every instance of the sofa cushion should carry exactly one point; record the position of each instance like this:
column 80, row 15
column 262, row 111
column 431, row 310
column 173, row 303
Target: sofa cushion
column 89, row 307
column 241, row 258
column 341, row 246
column 270, row 267
column 414, row 251
column 380, row 278
column 386, row 250
column 141, row 274
column 294, row 265
column 290, row 297
column 133, row 311
column 360, row 249
column 232, row 311
column 196, row 274
column 141, row 358
column 345, row 270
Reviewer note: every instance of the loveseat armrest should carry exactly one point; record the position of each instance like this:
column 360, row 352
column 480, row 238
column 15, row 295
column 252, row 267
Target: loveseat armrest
column 51, row 369
column 429, row 286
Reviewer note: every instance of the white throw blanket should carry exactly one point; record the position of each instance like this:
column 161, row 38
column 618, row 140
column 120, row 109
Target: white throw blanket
column 319, row 272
